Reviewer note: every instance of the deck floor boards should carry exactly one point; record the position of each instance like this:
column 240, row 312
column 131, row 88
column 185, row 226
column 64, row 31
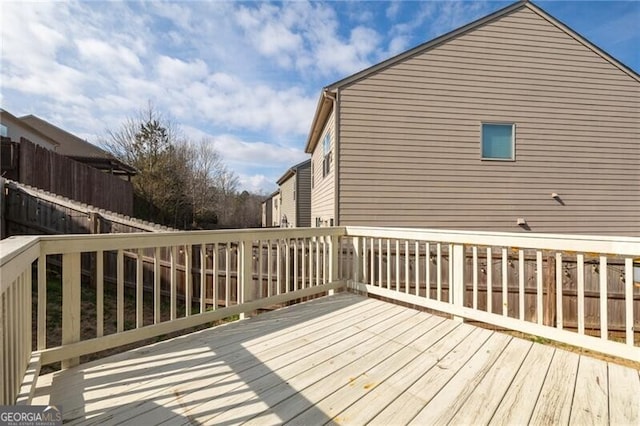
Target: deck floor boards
column 345, row 359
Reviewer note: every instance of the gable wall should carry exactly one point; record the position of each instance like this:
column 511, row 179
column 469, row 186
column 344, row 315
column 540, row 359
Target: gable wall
column 303, row 196
column 322, row 191
column 410, row 136
column 288, row 204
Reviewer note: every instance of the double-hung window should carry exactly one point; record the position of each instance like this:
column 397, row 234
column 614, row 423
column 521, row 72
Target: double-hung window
column 498, row 141
column 326, row 152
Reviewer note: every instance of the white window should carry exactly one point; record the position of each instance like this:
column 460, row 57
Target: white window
column 3, row 131
column 326, row 151
column 498, row 141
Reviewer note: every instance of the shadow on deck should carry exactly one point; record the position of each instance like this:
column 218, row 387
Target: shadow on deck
column 345, row 359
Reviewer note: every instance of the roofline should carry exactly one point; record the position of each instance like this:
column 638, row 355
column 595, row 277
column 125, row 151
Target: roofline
column 583, row 40
column 291, row 171
column 477, row 23
column 273, row 194
column 108, row 155
column 323, row 110
column 19, row 120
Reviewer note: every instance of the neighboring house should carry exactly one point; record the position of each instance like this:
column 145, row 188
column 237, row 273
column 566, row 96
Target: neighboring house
column 513, row 122
column 14, row 128
column 275, row 209
column 295, row 196
column 267, row 211
column 80, row 150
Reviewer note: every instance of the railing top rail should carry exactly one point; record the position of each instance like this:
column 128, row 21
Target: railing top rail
column 616, row 245
column 16, row 255
column 60, row 244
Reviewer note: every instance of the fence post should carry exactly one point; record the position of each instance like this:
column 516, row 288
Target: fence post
column 245, row 273
column 458, row 278
column 70, row 303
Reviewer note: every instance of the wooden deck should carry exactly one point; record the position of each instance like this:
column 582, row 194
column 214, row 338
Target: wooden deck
column 345, row 359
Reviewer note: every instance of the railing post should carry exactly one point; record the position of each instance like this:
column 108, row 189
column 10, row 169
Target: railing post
column 334, row 247
column 356, row 260
column 245, row 273
column 70, row 303
column 458, row 277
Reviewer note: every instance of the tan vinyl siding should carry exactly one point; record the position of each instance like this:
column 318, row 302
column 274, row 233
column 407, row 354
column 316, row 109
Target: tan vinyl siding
column 303, row 197
column 410, row 136
column 288, row 206
column 322, row 192
column 275, row 212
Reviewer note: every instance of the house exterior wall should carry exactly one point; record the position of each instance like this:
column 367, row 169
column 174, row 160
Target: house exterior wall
column 322, row 188
column 303, row 195
column 410, row 137
column 267, row 211
column 288, row 203
column 16, row 130
column 275, row 212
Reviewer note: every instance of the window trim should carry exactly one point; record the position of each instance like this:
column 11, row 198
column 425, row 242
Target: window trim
column 513, row 140
column 326, row 154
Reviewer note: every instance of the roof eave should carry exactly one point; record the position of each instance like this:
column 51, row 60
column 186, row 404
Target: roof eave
column 323, row 110
column 425, row 46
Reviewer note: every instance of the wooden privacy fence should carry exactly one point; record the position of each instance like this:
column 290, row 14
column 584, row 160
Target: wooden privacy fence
column 49, row 171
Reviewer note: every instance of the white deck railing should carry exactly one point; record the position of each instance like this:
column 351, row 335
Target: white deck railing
column 187, row 279
column 577, row 290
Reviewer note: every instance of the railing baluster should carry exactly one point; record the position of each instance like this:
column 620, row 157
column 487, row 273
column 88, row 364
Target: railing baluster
column 628, row 299
column 406, row 267
column 188, row 280
column 521, row 311
column 397, row 265
column 215, row 264
column 427, row 270
column 303, row 263
column 380, row 262
column 227, row 271
column 450, row 272
column 373, row 263
column 539, row 291
column 173, row 259
column 42, row 302
column 287, row 265
column 269, row 267
column 580, row 279
column 295, row 264
column 474, row 262
column 489, row 270
column 439, row 272
column 99, row 293
column 505, row 272
column 317, row 261
column 417, row 267
column 365, row 257
column 559, row 296
column 310, row 255
column 157, row 281
column 388, row 257
column 10, row 342
column 139, row 288
column 260, row 269
column 325, row 263
column 120, row 291
column 604, row 322
column 203, row 278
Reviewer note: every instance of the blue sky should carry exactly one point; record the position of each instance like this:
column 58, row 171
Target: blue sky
column 244, row 75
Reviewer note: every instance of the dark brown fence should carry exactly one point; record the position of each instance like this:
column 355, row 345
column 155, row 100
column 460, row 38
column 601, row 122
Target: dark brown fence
column 44, row 169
